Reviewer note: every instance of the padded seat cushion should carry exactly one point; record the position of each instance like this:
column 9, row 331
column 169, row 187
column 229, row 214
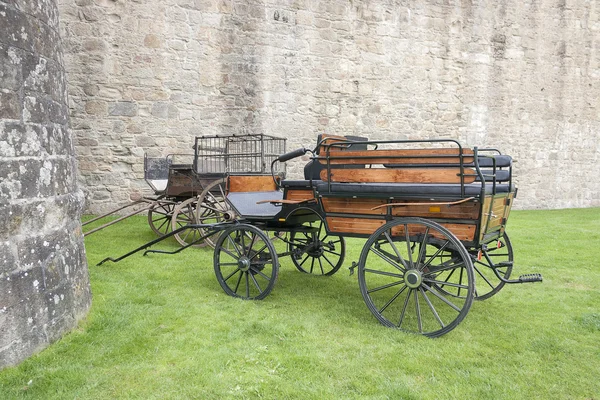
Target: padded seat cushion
column 158, row 185
column 408, row 189
column 245, row 203
column 300, row 184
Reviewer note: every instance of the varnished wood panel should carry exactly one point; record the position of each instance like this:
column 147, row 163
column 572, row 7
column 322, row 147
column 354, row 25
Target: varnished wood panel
column 360, row 226
column 368, row 226
column 299, row 194
column 468, row 210
column 492, row 220
column 461, row 231
column 353, row 206
column 400, row 175
column 251, row 183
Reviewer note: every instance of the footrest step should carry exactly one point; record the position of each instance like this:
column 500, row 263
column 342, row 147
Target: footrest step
column 504, row 264
column 531, row 278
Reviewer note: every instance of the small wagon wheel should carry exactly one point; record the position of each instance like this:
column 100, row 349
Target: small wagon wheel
column 415, row 275
column 316, row 252
column 213, row 207
column 498, row 254
column 159, row 216
column 245, row 262
column 184, row 214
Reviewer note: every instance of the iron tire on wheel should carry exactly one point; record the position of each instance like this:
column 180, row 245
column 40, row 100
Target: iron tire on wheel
column 213, row 207
column 185, row 214
column 245, row 262
column 401, row 270
column 488, row 283
column 159, row 216
column 319, row 254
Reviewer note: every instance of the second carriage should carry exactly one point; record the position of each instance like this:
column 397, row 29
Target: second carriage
column 181, row 181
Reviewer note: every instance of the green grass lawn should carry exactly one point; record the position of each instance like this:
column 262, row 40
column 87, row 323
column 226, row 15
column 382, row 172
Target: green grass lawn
column 161, row 327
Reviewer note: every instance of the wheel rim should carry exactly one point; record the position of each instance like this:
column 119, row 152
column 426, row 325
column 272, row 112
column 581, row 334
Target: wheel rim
column 159, row 217
column 213, row 208
column 317, row 252
column 415, row 275
column 185, row 214
column 488, row 283
column 245, row 261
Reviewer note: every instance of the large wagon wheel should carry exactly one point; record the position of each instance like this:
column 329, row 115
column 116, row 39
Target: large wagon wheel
column 245, row 262
column 159, row 216
column 316, row 252
column 415, row 275
column 213, row 208
column 498, row 253
column 185, row 214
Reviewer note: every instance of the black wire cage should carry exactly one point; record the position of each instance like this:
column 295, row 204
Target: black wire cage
column 239, row 154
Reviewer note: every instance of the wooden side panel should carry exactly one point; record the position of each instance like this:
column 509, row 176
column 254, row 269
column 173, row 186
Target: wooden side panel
column 363, row 226
column 462, row 232
column 469, row 210
column 405, row 175
column 405, row 156
column 495, row 219
column 251, row 183
column 299, row 194
column 353, row 206
column 360, row 226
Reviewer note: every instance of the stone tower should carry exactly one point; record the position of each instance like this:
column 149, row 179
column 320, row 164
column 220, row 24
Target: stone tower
column 44, row 283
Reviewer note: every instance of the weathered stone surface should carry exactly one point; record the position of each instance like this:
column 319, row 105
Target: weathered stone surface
column 44, row 284
column 473, row 71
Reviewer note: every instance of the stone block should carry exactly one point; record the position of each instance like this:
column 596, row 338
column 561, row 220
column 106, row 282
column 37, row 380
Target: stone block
column 122, row 108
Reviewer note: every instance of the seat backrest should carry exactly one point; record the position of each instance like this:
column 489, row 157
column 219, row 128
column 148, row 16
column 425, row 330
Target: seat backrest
column 312, row 170
column 156, row 168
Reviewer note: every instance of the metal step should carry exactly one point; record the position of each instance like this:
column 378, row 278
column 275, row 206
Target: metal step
column 530, row 278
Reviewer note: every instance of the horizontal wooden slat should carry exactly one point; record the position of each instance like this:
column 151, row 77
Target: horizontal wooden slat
column 251, row 183
column 467, row 210
column 359, row 226
column 353, row 206
column 299, row 194
column 398, row 157
column 399, row 175
column 363, row 226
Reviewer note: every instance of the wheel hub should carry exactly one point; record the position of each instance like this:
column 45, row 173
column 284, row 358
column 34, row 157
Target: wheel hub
column 413, row 278
column 315, row 250
column 244, row 263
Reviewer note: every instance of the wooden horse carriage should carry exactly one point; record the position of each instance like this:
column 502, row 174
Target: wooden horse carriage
column 433, row 214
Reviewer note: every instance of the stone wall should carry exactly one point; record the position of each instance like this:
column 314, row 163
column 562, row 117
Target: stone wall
column 44, row 284
column 522, row 76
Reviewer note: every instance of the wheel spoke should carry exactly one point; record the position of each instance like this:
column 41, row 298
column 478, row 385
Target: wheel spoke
column 433, row 311
column 446, row 283
column 404, row 308
column 259, row 272
column 408, row 247
column 239, row 281
column 390, row 301
column 255, row 282
column 442, row 298
column 378, row 272
column 418, row 310
column 434, row 256
column 388, row 285
column 237, row 250
column 483, row 277
column 231, row 274
column 423, row 246
column 387, row 259
column 391, row 242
